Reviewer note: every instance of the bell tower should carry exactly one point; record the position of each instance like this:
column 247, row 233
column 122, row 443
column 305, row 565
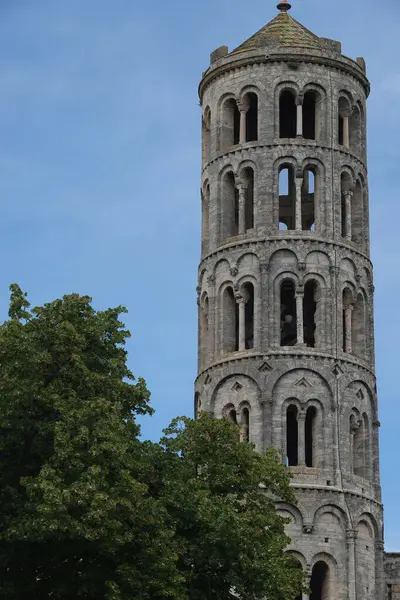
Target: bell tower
column 285, row 288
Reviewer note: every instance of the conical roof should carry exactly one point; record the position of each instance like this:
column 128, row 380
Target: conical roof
column 285, row 31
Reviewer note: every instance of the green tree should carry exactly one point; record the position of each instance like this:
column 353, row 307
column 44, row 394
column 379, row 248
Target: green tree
column 219, row 494
column 89, row 511
column 74, row 521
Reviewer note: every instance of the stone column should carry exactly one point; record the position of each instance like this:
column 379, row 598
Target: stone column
column 348, row 194
column 346, row 132
column 351, row 549
column 243, row 108
column 301, row 423
column 299, row 184
column 242, row 207
column 299, row 317
column 299, row 121
column 212, row 318
column 348, row 316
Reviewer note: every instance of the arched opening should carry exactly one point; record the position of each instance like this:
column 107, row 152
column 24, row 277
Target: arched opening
column 245, row 426
column 358, row 446
column 230, row 203
column 292, row 437
column 287, row 115
column 206, row 131
column 248, row 178
column 204, row 334
column 344, row 112
column 310, row 436
column 288, row 314
column 287, row 198
column 230, row 321
column 252, row 117
column 320, row 588
column 309, row 312
column 367, row 447
column 310, row 115
column 347, row 308
column 248, row 292
column 346, row 186
column 197, row 404
column 230, row 124
column 231, row 416
column 308, row 201
column 358, row 332
column 355, row 130
column 205, row 222
column 357, row 229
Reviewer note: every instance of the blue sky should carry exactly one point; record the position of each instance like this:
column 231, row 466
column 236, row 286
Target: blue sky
column 100, row 171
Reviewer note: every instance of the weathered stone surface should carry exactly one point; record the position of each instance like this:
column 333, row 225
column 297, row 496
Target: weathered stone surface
column 325, row 378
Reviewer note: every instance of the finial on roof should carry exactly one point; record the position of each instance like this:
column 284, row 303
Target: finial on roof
column 284, row 6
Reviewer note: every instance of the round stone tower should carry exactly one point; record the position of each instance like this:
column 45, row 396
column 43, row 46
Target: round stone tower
column 285, row 289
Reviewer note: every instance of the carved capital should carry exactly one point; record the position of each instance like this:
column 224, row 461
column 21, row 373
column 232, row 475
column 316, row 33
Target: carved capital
column 264, row 267
column 348, row 193
column 234, row 271
column 308, row 529
column 300, row 99
column 302, row 266
column 351, row 535
column 243, row 106
column 211, row 279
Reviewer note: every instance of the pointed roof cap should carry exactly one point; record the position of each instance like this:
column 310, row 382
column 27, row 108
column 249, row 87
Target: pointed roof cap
column 283, row 30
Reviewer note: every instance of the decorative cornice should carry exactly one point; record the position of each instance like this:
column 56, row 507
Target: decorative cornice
column 290, row 144
column 232, row 63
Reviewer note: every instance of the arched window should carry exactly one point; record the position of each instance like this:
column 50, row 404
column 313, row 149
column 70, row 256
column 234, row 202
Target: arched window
column 252, row 117
column 203, row 330
column 231, row 415
column 320, row 582
column 347, row 309
column 248, row 293
column 230, row 322
column 292, row 437
column 245, row 426
column 197, row 405
column 288, row 314
column 346, row 186
column 310, row 436
column 358, row 330
column 206, row 130
column 248, row 178
column 230, row 206
column 287, row 198
column 205, row 223
column 344, row 113
column 358, row 446
column 230, row 127
column 310, row 114
column 287, row 115
column 357, row 212
column 355, row 130
column 309, row 312
column 308, row 200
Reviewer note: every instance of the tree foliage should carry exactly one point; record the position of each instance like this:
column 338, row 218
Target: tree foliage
column 74, row 521
column 219, row 494
column 90, row 511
